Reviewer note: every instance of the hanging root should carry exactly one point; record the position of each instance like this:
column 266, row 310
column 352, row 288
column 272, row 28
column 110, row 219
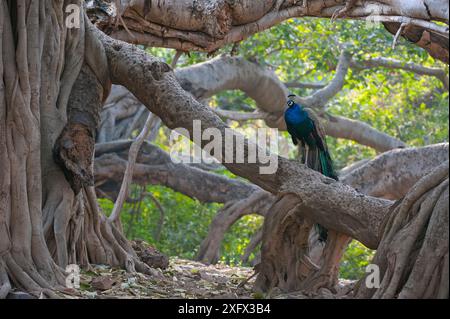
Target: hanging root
column 5, row 285
column 291, row 258
column 83, row 234
column 104, row 243
column 251, row 247
column 413, row 253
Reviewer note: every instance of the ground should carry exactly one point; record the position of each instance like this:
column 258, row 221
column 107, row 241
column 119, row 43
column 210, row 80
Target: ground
column 181, row 279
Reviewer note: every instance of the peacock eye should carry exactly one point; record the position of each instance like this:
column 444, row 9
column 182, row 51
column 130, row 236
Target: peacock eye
column 290, row 103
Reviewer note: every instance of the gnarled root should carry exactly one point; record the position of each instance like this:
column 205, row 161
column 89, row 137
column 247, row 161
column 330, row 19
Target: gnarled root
column 5, row 285
column 413, row 253
column 288, row 260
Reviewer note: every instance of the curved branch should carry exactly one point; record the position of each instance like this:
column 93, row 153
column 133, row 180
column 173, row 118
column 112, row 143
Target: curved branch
column 128, row 176
column 154, row 166
column 321, row 97
column 259, row 202
column 392, row 174
column 440, row 74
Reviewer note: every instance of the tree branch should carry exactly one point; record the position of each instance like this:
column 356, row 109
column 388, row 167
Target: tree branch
column 217, row 23
column 364, row 134
column 154, row 166
column 392, row 174
column 440, row 74
column 321, row 97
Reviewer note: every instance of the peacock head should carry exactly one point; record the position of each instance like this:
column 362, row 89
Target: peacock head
column 291, row 102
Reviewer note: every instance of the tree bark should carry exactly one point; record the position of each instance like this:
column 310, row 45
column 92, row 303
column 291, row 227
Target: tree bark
column 48, row 212
column 209, row 25
column 25, row 261
column 413, row 255
column 296, row 194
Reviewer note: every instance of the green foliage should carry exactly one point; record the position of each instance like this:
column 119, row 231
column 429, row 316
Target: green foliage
column 237, row 239
column 355, row 261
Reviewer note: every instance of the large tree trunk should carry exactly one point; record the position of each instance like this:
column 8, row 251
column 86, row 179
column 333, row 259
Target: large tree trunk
column 28, row 101
column 412, row 256
column 54, row 81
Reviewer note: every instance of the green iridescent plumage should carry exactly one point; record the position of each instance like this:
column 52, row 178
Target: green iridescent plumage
column 304, row 126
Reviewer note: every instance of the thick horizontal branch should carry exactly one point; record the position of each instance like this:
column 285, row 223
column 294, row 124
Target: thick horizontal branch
column 207, row 25
column 364, row 134
column 240, row 116
column 391, row 174
column 154, row 166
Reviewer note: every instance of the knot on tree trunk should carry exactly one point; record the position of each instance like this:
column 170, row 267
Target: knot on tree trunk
column 73, row 152
column 158, row 68
column 74, row 148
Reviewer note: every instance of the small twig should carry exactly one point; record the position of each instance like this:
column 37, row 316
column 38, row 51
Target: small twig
column 128, row 176
column 235, row 49
column 176, row 58
column 398, row 34
column 120, row 19
column 162, row 214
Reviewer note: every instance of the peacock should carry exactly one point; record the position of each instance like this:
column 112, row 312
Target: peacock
column 304, row 127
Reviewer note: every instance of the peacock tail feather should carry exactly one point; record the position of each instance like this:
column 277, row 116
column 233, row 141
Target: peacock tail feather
column 327, row 164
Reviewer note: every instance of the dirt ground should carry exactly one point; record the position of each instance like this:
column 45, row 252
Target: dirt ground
column 175, row 278
column 183, row 279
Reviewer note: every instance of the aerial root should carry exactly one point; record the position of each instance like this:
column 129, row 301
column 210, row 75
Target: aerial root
column 413, row 253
